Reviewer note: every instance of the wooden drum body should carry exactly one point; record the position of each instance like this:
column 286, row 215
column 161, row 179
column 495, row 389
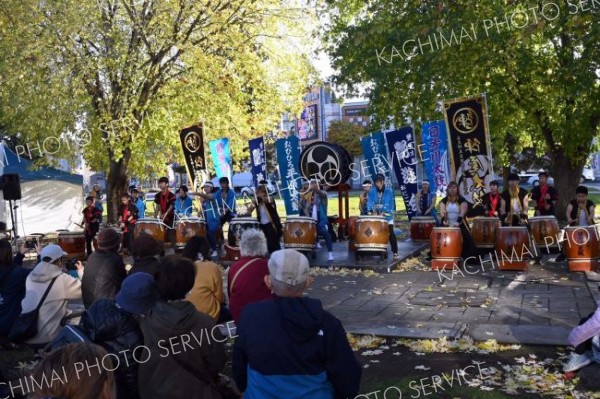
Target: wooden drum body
column 151, row 227
column 237, row 226
column 581, row 248
column 72, row 242
column 446, row 247
column 372, row 233
column 421, row 227
column 187, row 228
column 352, row 233
column 512, row 248
column 300, row 233
column 484, row 231
column 542, row 227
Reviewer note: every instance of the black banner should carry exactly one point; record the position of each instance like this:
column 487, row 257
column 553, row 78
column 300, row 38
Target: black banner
column 192, row 143
column 470, row 149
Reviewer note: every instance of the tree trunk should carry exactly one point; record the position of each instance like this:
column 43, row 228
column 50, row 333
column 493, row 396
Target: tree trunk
column 116, row 184
column 567, row 176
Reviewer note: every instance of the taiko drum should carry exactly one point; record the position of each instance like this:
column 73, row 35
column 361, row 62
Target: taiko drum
column 544, row 231
column 72, row 242
column 582, row 248
column 300, row 233
column 512, row 248
column 188, row 228
column 151, row 227
column 484, row 231
column 421, row 227
column 372, row 233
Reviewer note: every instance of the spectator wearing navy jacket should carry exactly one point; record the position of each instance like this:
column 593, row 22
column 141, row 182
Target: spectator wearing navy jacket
column 290, row 347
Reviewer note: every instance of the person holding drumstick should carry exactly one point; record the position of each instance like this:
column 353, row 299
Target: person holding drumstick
column 517, row 202
column 314, row 205
column 453, row 209
column 91, row 221
column 544, row 196
column 211, row 214
column 581, row 211
column 493, row 203
column 382, row 202
column 363, row 198
column 268, row 218
column 426, row 202
column 164, row 208
column 128, row 215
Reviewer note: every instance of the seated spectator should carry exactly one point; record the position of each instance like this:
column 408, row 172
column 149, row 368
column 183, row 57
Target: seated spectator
column 586, row 340
column 113, row 325
column 74, row 384
column 207, row 294
column 290, row 347
column 146, row 250
column 246, row 277
column 54, row 308
column 179, row 372
column 12, row 286
column 104, row 269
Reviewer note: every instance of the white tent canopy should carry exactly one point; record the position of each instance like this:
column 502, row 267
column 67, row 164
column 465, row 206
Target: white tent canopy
column 50, row 198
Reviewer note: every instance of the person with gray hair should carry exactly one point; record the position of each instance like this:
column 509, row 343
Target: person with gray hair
column 291, row 346
column 246, row 277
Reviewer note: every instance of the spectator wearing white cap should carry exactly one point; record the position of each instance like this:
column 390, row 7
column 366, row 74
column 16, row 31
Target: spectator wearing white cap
column 290, row 347
column 64, row 287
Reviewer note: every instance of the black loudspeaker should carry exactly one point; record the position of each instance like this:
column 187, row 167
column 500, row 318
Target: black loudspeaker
column 11, row 186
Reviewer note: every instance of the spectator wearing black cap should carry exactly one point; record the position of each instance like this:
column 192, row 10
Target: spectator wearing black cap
column 91, row 222
column 382, row 202
column 183, row 203
column 516, row 202
column 493, row 203
column 544, row 196
column 363, row 198
column 164, row 208
column 104, row 270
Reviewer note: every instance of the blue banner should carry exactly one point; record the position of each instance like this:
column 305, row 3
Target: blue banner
column 404, row 160
column 258, row 160
column 375, row 153
column 435, row 156
column 221, row 157
column 288, row 156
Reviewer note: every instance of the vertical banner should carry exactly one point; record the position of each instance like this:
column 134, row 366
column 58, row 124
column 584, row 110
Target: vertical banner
column 308, row 123
column 375, row 153
column 288, row 155
column 258, row 160
column 401, row 143
column 435, row 156
column 192, row 144
column 219, row 151
column 470, row 147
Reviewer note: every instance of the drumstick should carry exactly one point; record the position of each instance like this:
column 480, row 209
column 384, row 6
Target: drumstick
column 77, row 224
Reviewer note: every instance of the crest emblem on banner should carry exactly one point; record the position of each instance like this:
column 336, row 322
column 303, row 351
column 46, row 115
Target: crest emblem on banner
column 465, row 120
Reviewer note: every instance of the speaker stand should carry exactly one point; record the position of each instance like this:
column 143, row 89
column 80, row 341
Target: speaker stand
column 13, row 219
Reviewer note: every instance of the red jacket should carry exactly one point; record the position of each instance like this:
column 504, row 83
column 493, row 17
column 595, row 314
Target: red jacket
column 249, row 286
